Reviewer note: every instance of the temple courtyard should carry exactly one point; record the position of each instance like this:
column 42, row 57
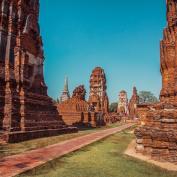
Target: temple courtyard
column 77, row 134
column 96, row 152
column 100, row 159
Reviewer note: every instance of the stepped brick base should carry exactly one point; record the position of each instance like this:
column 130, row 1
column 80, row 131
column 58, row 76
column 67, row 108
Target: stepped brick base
column 15, row 137
column 158, row 137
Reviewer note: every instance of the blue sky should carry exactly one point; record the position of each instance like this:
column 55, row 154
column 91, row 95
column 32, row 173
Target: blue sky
column 120, row 36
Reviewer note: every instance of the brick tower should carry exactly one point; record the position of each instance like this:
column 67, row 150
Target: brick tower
column 26, row 111
column 98, row 96
column 134, row 101
column 158, row 134
column 122, row 107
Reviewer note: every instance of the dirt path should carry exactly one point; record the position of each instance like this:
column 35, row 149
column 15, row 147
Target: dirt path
column 16, row 164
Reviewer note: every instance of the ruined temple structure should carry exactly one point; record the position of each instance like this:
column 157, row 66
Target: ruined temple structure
column 112, row 118
column 75, row 111
column 133, row 103
column 98, row 97
column 142, row 110
column 122, row 108
column 26, row 111
column 158, row 134
column 65, row 94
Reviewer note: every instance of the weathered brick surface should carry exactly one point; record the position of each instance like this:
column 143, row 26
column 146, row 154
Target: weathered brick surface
column 142, row 110
column 158, row 135
column 24, row 103
column 112, row 118
column 75, row 111
column 2, row 92
column 133, row 103
column 98, row 96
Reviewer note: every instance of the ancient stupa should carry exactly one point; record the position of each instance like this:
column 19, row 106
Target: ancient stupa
column 98, row 97
column 26, row 111
column 157, row 136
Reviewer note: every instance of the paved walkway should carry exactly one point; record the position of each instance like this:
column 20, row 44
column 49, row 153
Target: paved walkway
column 16, row 164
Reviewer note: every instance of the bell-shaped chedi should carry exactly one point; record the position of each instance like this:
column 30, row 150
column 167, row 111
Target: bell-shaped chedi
column 158, row 134
column 65, row 94
column 98, row 97
column 26, row 111
column 134, row 101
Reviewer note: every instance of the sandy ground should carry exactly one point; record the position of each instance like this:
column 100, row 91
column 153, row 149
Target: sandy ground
column 165, row 165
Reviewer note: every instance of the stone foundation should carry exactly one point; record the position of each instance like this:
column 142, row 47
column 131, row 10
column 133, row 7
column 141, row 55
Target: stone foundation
column 15, row 137
column 40, row 113
column 158, row 137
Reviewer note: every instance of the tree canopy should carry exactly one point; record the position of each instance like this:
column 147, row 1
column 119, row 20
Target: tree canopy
column 113, row 107
column 146, row 97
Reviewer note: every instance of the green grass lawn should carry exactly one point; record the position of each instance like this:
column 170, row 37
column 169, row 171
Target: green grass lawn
column 101, row 159
column 17, row 148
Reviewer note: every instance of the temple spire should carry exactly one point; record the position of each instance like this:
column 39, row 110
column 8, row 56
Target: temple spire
column 65, row 94
column 66, row 84
column 171, row 12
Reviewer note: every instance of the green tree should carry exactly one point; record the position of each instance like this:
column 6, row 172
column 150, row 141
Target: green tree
column 146, row 97
column 113, row 107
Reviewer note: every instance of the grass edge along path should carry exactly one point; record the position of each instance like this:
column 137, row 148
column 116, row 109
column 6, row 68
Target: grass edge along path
column 104, row 158
column 14, row 165
column 18, row 148
column 130, row 151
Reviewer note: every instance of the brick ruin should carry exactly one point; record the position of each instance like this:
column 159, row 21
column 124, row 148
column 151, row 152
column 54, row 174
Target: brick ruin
column 75, row 111
column 79, row 93
column 122, row 108
column 98, row 97
column 142, row 110
column 157, row 136
column 133, row 103
column 26, row 111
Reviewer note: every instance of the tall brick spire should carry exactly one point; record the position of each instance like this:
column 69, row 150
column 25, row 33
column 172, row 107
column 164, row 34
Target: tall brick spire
column 157, row 135
column 171, row 12
column 98, row 96
column 168, row 53
column 24, row 103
